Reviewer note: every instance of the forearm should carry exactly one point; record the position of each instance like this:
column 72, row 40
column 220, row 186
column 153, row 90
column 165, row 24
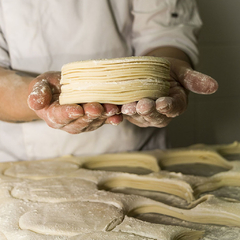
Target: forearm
column 171, row 52
column 13, row 97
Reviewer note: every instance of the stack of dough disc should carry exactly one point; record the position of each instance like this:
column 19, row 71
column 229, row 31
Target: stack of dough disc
column 116, row 81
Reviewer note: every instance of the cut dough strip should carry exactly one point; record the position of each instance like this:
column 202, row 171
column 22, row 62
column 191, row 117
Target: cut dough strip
column 116, row 81
column 206, row 210
column 157, row 231
column 175, row 157
column 134, row 160
column 166, row 185
column 223, row 179
column 222, row 149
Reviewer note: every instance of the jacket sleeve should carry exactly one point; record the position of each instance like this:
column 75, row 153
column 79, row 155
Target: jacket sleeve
column 159, row 23
column 4, row 54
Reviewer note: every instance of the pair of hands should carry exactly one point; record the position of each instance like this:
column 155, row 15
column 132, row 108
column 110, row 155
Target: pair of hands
column 44, row 94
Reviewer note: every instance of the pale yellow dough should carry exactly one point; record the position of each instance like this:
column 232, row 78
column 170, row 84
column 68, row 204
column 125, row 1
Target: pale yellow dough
column 223, row 179
column 78, row 217
column 110, row 235
column 116, row 81
column 190, row 156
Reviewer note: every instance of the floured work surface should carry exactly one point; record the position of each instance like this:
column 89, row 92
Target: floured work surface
column 67, row 198
column 116, row 81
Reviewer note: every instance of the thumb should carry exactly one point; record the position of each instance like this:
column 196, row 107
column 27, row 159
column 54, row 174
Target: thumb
column 198, row 82
column 40, row 94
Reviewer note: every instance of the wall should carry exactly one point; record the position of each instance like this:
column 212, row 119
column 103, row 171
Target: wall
column 214, row 119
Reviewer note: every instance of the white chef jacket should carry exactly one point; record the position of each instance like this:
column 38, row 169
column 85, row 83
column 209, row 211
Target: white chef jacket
column 38, row 36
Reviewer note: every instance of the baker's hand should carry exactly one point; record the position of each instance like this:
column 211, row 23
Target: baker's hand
column 159, row 113
column 43, row 98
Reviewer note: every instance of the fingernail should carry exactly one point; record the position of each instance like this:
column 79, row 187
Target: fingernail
column 113, row 123
column 129, row 110
column 163, row 104
column 145, row 106
column 111, row 113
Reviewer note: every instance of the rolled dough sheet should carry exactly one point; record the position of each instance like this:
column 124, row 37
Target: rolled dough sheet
column 71, row 218
column 110, row 235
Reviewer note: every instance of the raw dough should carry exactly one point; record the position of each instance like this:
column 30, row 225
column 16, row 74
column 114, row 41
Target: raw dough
column 54, row 190
column 229, row 151
column 74, row 189
column 229, row 178
column 71, row 218
column 2, row 237
column 207, row 210
column 110, row 236
column 157, row 231
column 89, row 212
column 130, row 160
column 158, row 184
column 68, row 165
column 189, row 156
column 116, row 81
column 38, row 170
column 57, row 199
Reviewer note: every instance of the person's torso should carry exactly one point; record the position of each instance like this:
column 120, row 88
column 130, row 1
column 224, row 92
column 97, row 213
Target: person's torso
column 42, row 36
